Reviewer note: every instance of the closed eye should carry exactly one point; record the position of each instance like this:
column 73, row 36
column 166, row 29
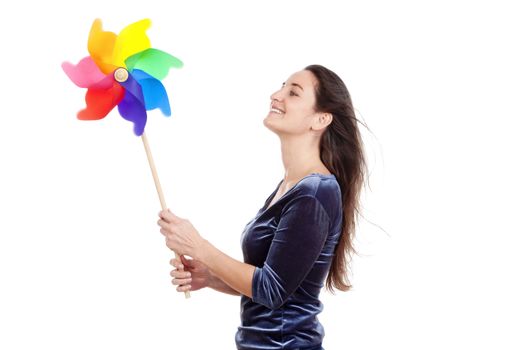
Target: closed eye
column 292, row 93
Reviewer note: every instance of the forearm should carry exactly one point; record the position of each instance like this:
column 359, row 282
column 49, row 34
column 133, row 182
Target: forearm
column 217, row 284
column 235, row 274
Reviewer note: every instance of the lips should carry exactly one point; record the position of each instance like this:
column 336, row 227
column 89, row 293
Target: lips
column 275, row 109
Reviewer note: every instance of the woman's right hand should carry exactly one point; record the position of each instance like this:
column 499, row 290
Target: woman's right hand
column 189, row 275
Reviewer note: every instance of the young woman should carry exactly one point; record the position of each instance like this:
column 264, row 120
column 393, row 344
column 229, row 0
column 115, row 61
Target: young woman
column 302, row 237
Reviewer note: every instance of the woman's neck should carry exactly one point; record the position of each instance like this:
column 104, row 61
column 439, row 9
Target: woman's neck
column 300, row 157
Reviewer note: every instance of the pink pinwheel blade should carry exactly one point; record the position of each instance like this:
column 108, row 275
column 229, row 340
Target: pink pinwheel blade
column 86, row 74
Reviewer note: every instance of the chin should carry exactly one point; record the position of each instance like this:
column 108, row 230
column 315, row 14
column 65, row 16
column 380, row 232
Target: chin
column 267, row 122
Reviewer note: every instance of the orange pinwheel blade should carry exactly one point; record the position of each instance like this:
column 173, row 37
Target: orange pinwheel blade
column 101, row 45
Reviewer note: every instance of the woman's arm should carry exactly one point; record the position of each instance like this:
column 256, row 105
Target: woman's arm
column 232, row 273
column 183, row 238
column 217, row 284
column 192, row 275
column 298, row 241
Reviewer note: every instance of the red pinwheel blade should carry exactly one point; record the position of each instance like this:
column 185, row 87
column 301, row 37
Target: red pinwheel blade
column 99, row 102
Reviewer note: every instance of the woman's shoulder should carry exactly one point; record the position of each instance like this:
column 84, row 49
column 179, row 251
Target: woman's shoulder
column 317, row 185
column 324, row 187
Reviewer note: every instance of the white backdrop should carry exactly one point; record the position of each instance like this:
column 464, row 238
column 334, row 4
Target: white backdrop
column 440, row 84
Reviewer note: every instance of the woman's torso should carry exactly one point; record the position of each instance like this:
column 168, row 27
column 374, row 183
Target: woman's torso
column 292, row 322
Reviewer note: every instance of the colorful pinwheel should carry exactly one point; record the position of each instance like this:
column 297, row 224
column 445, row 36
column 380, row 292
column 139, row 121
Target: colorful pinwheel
column 122, row 70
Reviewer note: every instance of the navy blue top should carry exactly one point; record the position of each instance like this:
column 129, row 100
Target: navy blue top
column 291, row 244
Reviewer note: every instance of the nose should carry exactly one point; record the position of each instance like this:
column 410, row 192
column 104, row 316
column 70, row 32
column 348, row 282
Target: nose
column 276, row 96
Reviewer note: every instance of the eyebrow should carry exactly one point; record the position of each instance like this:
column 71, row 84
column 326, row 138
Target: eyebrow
column 295, row 84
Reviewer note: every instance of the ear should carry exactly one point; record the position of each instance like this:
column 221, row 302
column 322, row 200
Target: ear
column 326, row 118
column 322, row 120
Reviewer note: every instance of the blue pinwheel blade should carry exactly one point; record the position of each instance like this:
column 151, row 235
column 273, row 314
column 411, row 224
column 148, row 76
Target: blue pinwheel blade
column 154, row 93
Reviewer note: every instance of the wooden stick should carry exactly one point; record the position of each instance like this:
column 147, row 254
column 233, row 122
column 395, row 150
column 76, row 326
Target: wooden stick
column 157, row 185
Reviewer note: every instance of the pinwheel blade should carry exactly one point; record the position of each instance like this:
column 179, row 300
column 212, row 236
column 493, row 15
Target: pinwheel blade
column 132, row 106
column 131, row 39
column 154, row 93
column 99, row 102
column 131, row 109
column 86, row 74
column 101, row 45
column 155, row 62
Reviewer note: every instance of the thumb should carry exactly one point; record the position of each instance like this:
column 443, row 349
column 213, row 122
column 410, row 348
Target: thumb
column 186, row 262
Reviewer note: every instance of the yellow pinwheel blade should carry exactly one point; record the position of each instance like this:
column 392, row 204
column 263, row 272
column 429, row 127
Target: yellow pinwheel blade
column 101, row 46
column 131, row 40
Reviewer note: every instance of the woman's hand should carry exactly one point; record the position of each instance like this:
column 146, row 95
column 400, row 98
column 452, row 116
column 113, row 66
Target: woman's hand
column 189, row 275
column 181, row 236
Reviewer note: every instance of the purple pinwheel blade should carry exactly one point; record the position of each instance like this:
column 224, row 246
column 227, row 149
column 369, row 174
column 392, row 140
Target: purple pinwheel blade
column 132, row 86
column 154, row 93
column 132, row 109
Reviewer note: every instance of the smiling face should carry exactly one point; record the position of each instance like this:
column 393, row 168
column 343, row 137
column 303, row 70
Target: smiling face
column 292, row 108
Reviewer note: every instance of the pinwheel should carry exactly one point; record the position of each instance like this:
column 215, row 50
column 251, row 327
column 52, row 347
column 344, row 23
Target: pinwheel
column 124, row 71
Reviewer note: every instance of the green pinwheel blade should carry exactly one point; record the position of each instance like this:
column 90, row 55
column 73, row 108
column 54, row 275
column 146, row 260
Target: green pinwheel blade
column 155, row 62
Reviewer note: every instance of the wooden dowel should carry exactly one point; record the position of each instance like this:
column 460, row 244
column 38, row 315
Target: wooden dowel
column 157, row 185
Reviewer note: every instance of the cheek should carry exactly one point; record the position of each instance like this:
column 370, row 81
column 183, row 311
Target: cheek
column 300, row 106
column 296, row 121
column 299, row 113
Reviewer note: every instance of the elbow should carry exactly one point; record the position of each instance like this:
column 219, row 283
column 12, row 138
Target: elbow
column 275, row 305
column 272, row 302
column 268, row 289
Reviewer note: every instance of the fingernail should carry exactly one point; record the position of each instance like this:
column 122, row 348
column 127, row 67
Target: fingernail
column 188, row 274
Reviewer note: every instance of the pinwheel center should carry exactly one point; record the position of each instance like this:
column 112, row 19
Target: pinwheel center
column 121, row 75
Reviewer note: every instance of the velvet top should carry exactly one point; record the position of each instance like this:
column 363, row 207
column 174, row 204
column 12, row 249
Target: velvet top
column 291, row 244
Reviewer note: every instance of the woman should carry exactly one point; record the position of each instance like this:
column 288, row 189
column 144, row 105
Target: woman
column 303, row 234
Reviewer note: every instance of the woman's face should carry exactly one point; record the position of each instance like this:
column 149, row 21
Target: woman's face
column 292, row 106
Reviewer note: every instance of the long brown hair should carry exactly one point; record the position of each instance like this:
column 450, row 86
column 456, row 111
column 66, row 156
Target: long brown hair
column 342, row 152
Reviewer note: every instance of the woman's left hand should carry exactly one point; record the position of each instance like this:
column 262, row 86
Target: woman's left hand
column 181, row 236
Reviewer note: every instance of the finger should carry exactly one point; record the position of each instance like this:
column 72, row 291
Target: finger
column 163, row 223
column 165, row 233
column 170, row 243
column 181, row 281
column 168, row 216
column 181, row 275
column 175, row 262
column 185, row 288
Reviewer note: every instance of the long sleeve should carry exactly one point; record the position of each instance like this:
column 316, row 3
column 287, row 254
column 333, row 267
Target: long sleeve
column 299, row 238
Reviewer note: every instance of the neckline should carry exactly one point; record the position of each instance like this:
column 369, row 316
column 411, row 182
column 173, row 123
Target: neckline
column 269, row 200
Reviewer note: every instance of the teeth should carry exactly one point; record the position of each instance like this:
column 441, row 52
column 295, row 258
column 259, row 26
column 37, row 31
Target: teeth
column 276, row 111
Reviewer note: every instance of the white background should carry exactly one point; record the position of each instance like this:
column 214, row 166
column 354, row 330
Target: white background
column 440, row 84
